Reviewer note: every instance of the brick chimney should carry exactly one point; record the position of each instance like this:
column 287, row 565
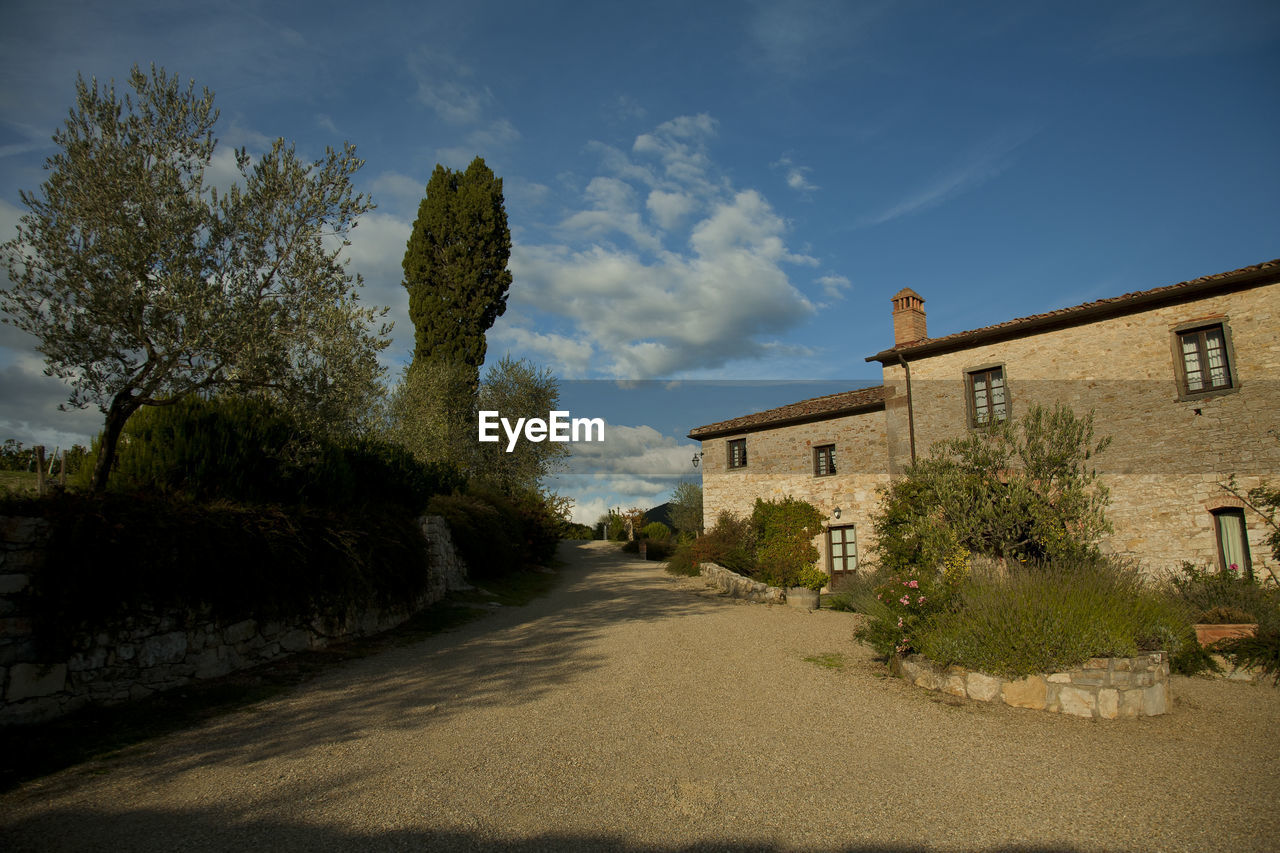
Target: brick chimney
column 908, row 317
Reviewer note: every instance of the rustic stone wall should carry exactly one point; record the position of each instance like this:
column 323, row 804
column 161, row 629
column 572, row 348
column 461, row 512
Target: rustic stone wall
column 780, row 464
column 1104, row 688
column 736, row 586
column 156, row 652
column 1168, row 456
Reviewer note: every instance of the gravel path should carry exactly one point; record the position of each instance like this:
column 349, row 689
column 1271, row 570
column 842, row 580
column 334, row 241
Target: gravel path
column 630, row 710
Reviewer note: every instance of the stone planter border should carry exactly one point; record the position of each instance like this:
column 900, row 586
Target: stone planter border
column 1103, row 688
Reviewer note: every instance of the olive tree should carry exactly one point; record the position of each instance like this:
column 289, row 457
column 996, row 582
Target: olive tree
column 143, row 283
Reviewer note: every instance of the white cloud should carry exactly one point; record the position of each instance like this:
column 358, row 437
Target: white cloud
column 398, row 191
column 449, row 89
column 834, row 286
column 987, row 161
column 634, row 466
column 669, row 208
column 573, row 356
column 666, row 268
column 376, row 252
column 797, row 177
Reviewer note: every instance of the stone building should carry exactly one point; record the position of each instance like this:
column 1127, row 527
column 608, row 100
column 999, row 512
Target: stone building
column 1185, row 379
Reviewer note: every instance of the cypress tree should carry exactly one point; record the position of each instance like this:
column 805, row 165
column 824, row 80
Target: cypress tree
column 455, row 265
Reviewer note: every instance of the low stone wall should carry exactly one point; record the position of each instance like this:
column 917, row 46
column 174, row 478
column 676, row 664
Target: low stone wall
column 735, row 585
column 1104, row 688
column 156, row 652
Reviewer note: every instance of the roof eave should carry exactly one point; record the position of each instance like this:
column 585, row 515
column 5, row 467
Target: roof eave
column 1243, row 280
column 862, row 408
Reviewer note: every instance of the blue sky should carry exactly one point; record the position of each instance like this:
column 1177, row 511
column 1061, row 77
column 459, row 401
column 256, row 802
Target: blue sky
column 719, row 190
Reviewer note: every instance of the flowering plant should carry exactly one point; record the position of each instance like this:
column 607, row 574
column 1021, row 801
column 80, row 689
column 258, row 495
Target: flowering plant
column 903, row 603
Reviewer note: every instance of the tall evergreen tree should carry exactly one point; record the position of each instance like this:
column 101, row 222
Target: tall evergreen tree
column 455, row 265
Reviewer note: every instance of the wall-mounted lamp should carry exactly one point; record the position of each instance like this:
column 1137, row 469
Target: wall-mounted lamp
column 697, row 457
column 836, row 513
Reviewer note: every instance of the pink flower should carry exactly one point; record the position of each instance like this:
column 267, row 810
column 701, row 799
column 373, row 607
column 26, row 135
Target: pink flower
column 921, row 601
column 906, row 599
column 1233, row 567
column 913, row 584
column 899, row 621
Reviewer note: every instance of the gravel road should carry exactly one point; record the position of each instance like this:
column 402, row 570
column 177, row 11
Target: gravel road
column 630, row 710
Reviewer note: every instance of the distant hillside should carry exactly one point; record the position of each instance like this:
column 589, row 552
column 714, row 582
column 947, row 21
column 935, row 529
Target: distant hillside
column 661, row 512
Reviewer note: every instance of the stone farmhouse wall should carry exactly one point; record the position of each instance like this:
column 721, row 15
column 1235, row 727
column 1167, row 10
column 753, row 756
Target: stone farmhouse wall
column 780, row 464
column 158, row 652
column 1168, row 456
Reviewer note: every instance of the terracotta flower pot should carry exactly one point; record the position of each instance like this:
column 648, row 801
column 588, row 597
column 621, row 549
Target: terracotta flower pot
column 1210, row 634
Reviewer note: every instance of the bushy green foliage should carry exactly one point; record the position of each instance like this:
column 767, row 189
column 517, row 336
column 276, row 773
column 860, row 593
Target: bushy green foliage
column 1050, row 618
column 731, row 543
column 15, row 457
column 573, row 530
column 112, row 557
column 655, row 549
column 1209, row 594
column 784, row 532
column 496, row 534
column 1019, row 490
column 774, row 545
column 656, row 531
column 246, row 449
column 1262, row 651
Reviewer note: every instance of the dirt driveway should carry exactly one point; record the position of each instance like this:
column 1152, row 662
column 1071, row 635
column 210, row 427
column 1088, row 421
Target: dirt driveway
column 628, row 710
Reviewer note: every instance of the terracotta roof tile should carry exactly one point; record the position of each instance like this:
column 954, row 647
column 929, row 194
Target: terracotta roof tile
column 816, row 408
column 1081, row 313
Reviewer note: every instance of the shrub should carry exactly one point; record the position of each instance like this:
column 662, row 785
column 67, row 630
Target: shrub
column 682, row 560
column 784, row 532
column 1262, row 650
column 1019, row 490
column 1212, row 595
column 573, row 530
column 496, row 534
column 656, row 531
column 246, row 450
column 729, row 543
column 1053, row 617
column 112, row 557
column 655, row 549
column 899, row 607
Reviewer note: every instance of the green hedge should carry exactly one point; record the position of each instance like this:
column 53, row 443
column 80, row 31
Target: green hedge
column 243, row 449
column 496, row 534
column 115, row 557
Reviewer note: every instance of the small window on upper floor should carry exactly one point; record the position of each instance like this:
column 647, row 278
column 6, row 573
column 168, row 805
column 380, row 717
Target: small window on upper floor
column 1204, row 359
column 824, row 460
column 738, row 453
column 988, row 397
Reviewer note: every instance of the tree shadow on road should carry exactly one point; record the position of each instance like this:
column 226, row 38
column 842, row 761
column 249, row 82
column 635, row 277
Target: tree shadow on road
column 513, row 656
column 144, row 830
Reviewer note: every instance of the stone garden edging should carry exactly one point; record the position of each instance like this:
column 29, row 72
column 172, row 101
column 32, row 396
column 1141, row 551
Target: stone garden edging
column 1103, row 688
column 735, row 585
